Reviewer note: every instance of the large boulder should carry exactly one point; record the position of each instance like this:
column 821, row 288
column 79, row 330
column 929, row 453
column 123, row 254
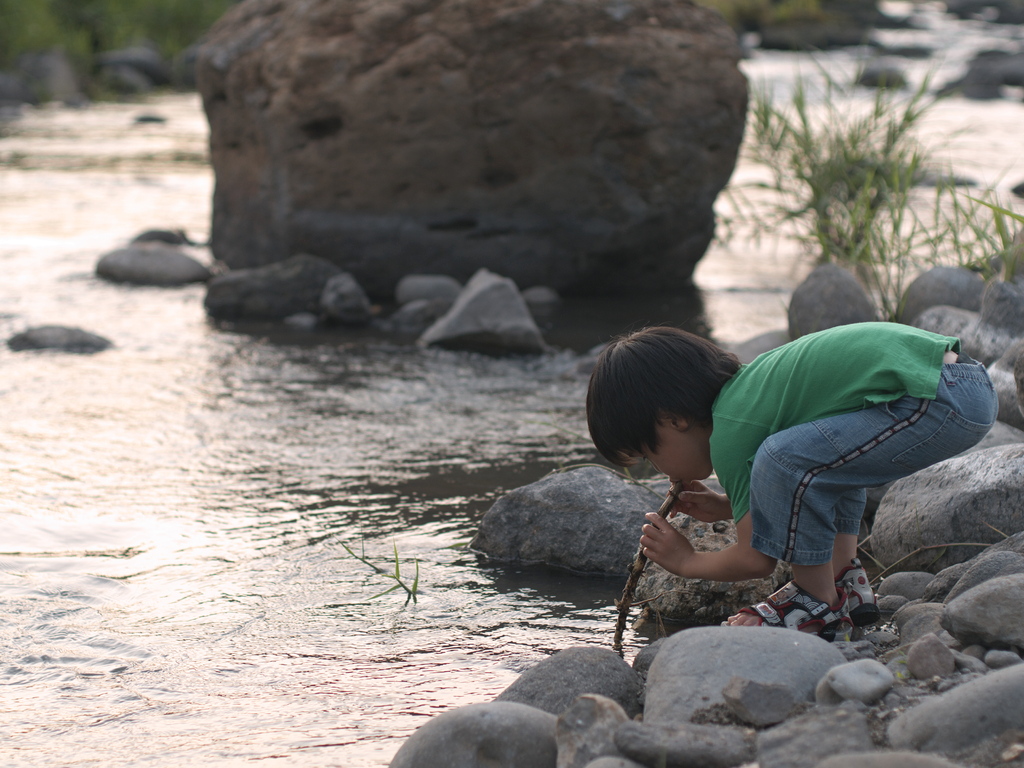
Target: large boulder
column 585, row 520
column 939, row 516
column 579, row 145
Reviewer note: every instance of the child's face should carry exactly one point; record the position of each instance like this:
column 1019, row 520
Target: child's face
column 683, row 452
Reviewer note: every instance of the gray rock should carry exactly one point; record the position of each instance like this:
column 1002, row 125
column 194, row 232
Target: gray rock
column 969, row 664
column 443, row 138
column 303, row 321
column 1018, row 379
column 865, row 680
column 14, row 91
column 916, row 620
column 270, row 293
column 52, row 76
column 950, row 508
column 988, row 565
column 151, row 263
column 944, row 581
column 489, row 316
column 886, row 759
column 702, row 601
column 1000, row 659
column 747, row 350
column 889, row 604
column 801, row 741
column 344, row 301
column 960, row 718
column 415, row 316
column 693, row 667
column 685, row 744
column 758, row 704
column 168, row 236
column 980, row 340
column 942, row 286
column 496, row 733
column 614, row 762
column 929, row 657
column 645, row 657
column 555, row 683
column 427, row 287
column 880, row 74
column 541, row 299
column 908, row 584
column 991, row 613
column 60, row 338
column 828, row 297
column 587, row 520
column 1006, row 389
column 144, row 59
column 586, row 731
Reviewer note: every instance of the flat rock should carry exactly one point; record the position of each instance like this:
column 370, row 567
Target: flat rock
column 694, row 665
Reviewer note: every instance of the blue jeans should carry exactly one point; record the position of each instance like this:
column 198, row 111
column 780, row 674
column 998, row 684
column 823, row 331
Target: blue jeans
column 808, row 482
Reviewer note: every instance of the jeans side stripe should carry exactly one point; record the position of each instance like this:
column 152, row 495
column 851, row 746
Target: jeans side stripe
column 805, row 481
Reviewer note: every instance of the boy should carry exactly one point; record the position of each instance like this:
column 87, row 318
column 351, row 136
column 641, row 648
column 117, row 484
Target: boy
column 795, row 438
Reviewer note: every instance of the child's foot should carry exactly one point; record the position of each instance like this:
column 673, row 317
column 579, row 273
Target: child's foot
column 794, row 608
column 861, row 600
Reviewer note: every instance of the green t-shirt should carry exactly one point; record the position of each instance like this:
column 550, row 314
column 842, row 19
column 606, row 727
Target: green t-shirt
column 823, row 374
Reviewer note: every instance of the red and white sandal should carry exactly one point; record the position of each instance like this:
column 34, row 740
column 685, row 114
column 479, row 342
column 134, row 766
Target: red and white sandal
column 794, row 608
column 861, row 600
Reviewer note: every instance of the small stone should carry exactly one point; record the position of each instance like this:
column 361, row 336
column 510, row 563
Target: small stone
column 344, row 301
column 999, row 659
column 586, row 730
column 758, row 704
column 929, row 657
column 864, row 680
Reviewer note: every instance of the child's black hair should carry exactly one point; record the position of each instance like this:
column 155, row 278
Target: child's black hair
column 648, row 375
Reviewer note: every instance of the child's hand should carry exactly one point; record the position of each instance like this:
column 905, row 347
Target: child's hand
column 701, row 503
column 664, row 544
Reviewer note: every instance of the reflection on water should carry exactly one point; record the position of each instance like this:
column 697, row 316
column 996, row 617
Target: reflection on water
column 173, row 585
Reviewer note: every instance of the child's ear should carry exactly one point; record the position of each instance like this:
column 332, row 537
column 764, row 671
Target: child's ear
column 679, row 423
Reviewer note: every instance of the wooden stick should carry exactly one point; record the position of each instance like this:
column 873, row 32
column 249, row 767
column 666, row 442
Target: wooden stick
column 635, row 571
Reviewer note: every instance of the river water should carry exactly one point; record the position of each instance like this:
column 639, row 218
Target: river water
column 174, row 582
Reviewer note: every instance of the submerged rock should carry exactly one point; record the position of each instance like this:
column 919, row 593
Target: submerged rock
column 58, row 337
column 270, row 293
column 151, row 263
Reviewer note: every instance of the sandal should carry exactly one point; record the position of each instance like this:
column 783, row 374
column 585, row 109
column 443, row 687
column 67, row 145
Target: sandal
column 794, row 608
column 861, row 600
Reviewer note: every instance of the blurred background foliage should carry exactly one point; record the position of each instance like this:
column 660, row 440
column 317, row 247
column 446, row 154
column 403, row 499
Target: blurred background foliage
column 84, row 28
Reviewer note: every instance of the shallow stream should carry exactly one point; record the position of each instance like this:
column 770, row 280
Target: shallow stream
column 173, row 582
